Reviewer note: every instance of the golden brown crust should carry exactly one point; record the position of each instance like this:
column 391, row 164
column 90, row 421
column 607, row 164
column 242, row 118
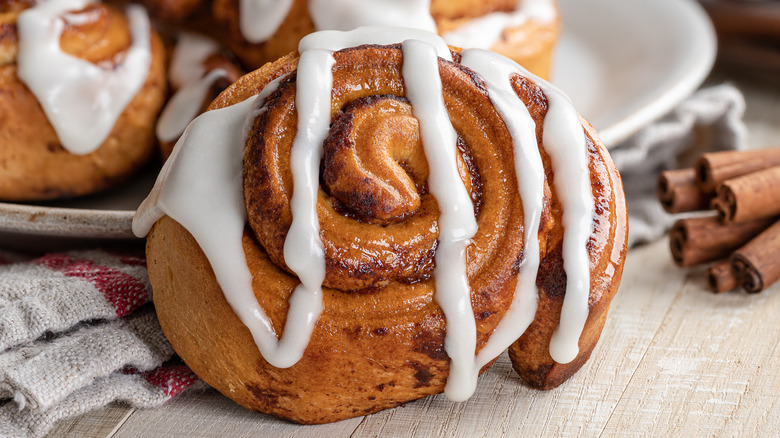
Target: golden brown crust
column 33, row 164
column 295, row 26
column 531, row 44
column 382, row 346
column 352, row 366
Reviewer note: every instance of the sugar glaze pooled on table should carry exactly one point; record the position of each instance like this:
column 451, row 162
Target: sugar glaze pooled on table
column 200, row 187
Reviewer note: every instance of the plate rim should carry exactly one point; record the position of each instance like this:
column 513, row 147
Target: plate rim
column 688, row 82
column 64, row 221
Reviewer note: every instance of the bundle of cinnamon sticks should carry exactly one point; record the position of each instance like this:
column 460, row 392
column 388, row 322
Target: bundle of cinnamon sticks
column 742, row 235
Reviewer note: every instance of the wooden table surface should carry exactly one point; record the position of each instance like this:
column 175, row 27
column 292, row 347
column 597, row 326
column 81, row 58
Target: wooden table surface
column 674, row 360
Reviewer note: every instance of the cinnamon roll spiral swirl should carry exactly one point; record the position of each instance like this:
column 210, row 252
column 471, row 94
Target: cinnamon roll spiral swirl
column 386, row 234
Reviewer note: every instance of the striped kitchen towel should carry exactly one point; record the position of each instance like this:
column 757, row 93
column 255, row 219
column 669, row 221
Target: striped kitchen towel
column 77, row 332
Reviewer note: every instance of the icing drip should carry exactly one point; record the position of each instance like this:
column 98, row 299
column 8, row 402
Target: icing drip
column 82, row 100
column 483, row 32
column 187, row 75
column 81, row 18
column 303, row 252
column 217, row 220
column 496, row 71
column 261, row 18
column 187, row 59
column 349, row 14
column 207, row 199
column 562, row 129
column 184, row 105
column 456, row 223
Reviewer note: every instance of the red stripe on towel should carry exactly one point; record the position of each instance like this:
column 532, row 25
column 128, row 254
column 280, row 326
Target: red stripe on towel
column 123, row 291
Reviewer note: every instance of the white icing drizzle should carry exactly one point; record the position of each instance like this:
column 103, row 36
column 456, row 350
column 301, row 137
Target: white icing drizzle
column 349, row 14
column 200, row 187
column 483, row 32
column 187, row 59
column 259, row 19
column 187, row 76
column 303, row 251
column 496, row 71
column 564, row 141
column 81, row 100
column 337, row 40
column 456, row 221
column 184, row 106
column 81, row 18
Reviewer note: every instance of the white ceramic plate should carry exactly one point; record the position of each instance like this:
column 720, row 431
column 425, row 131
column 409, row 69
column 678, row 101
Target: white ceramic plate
column 88, row 221
column 623, row 62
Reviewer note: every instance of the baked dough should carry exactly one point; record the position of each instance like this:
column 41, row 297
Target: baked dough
column 379, row 341
column 33, row 163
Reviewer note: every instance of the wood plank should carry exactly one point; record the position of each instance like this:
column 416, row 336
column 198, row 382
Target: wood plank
column 99, row 423
column 713, row 369
column 208, row 413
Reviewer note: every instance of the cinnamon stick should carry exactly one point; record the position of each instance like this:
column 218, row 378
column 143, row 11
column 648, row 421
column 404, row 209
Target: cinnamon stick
column 757, row 264
column 756, row 57
column 699, row 240
column 759, row 19
column 678, row 192
column 713, row 168
column 721, row 277
column 750, row 196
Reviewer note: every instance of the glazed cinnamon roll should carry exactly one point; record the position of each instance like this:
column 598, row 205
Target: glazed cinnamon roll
column 81, row 84
column 524, row 30
column 406, row 213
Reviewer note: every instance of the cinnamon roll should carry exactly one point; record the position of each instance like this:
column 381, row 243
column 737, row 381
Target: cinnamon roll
column 405, row 213
column 81, row 84
column 524, row 30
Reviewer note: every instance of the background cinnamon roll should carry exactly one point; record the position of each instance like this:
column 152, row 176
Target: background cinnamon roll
column 198, row 71
column 524, row 30
column 77, row 113
column 384, row 244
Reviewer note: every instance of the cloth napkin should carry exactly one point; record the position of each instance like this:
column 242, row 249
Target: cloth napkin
column 708, row 121
column 78, row 331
